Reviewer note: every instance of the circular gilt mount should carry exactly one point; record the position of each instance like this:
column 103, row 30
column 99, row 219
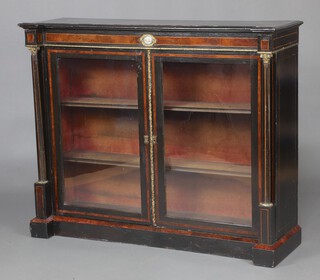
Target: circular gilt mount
column 148, row 40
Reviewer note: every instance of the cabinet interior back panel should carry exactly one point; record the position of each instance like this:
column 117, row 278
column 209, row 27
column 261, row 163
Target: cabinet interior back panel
column 100, row 130
column 208, row 137
column 207, row 82
column 97, row 78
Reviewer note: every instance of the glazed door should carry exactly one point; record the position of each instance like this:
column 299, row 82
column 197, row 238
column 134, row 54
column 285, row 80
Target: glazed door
column 99, row 157
column 207, row 142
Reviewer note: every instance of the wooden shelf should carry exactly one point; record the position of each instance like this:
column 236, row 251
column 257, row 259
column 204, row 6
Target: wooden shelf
column 96, row 102
column 92, row 102
column 102, row 158
column 182, row 165
column 206, row 167
column 235, row 108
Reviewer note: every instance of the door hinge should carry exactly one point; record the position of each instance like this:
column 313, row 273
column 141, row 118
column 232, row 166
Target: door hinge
column 153, row 139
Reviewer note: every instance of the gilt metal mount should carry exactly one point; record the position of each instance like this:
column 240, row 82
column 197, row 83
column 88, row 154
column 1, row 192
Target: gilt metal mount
column 33, row 49
column 266, row 56
column 148, row 40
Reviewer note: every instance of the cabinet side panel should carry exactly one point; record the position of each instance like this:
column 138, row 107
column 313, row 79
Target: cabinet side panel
column 286, row 141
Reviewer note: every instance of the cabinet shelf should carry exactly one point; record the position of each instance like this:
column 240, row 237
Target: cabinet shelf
column 236, row 108
column 91, row 102
column 204, row 167
column 97, row 102
column 182, row 165
column 103, row 158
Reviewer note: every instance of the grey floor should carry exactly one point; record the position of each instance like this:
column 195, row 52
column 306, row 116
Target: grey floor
column 22, row 257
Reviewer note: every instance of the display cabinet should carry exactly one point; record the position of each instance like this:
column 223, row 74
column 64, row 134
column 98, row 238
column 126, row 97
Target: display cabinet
column 168, row 133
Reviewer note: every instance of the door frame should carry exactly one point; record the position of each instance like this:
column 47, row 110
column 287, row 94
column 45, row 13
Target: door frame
column 52, row 56
column 158, row 57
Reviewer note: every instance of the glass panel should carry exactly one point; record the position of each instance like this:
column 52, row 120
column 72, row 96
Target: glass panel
column 94, row 130
column 100, row 134
column 197, row 136
column 206, row 85
column 208, row 198
column 207, row 136
column 102, row 186
column 99, row 80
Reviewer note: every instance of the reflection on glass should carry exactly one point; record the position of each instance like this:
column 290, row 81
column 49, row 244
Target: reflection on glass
column 207, row 136
column 208, row 197
column 102, row 186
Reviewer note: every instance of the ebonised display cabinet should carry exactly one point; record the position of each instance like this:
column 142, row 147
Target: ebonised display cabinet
column 168, row 133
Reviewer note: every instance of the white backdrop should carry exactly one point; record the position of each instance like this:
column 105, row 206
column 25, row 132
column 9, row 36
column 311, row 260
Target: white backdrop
column 22, row 257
